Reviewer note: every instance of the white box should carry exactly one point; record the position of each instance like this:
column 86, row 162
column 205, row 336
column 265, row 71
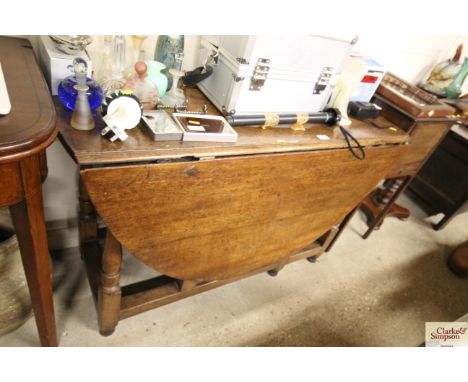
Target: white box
column 57, row 65
column 370, row 82
column 284, row 74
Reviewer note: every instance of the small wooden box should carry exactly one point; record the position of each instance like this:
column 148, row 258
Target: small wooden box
column 413, row 100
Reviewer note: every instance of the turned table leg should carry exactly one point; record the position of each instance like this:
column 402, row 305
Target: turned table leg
column 109, row 293
column 28, row 219
column 385, row 196
column 87, row 215
column 381, row 203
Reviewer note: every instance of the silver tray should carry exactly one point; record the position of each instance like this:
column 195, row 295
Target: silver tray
column 71, row 44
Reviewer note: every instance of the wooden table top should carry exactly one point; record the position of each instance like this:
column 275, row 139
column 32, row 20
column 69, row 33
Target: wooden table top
column 89, row 148
column 31, row 122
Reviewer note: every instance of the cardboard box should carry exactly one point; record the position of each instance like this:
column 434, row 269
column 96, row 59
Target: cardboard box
column 55, row 64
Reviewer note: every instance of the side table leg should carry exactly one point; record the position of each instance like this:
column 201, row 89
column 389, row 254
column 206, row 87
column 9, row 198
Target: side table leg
column 28, row 218
column 109, row 293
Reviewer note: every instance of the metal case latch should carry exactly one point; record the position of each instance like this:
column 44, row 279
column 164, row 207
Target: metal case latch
column 323, row 80
column 260, row 74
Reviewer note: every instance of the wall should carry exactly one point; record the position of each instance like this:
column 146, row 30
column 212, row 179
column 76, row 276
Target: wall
column 410, row 57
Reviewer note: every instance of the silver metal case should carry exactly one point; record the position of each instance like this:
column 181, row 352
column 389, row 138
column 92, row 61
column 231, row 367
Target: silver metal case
column 282, row 74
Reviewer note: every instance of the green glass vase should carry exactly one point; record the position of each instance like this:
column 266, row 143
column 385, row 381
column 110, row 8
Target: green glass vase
column 155, row 74
column 454, row 89
column 166, row 48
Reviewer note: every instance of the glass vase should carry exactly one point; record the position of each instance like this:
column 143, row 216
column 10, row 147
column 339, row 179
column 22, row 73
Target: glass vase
column 454, row 89
column 155, row 74
column 166, row 48
column 68, row 94
column 143, row 88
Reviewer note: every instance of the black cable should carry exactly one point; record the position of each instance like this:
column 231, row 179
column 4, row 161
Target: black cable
column 348, row 135
column 190, row 79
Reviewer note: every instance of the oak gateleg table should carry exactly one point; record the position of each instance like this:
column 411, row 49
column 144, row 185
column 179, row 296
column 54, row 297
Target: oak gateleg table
column 205, row 213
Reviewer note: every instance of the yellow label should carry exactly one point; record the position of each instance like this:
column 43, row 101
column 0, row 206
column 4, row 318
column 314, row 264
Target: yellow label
column 271, row 120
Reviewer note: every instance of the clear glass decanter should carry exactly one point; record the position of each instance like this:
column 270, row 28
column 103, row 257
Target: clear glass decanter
column 104, row 71
column 82, row 118
column 68, row 93
column 117, row 79
column 119, row 58
column 175, row 96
